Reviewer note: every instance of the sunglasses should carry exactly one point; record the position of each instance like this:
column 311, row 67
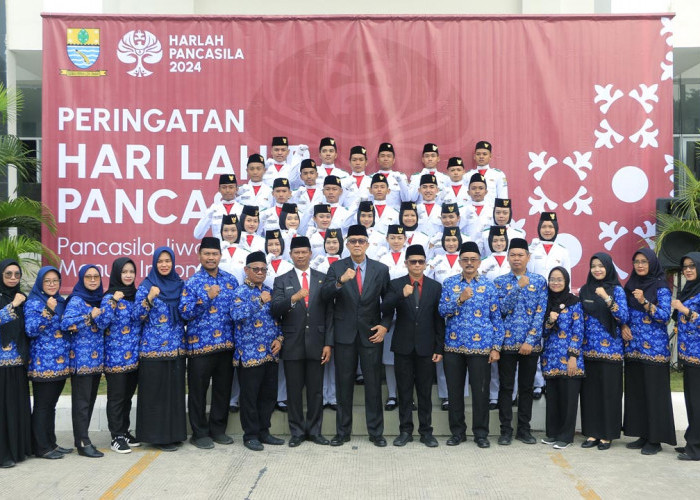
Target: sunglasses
column 12, row 274
column 416, row 262
column 258, row 270
column 358, row 241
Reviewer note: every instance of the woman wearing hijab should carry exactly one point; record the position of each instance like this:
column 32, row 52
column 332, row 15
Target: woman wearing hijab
column 15, row 432
column 687, row 316
column 648, row 406
column 232, row 255
column 289, row 226
column 332, row 251
column 86, row 353
column 122, row 335
column 496, row 264
column 415, row 232
column 160, row 409
column 49, row 365
column 562, row 363
column 605, row 310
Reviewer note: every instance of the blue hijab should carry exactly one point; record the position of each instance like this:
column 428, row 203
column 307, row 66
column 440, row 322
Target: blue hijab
column 170, row 285
column 38, row 290
column 94, row 297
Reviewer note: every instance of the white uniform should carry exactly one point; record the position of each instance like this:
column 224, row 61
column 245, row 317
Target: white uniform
column 483, row 241
column 385, row 215
column 306, row 197
column 456, row 192
column 542, row 262
column 269, row 219
column 289, row 169
column 212, row 218
column 398, row 185
column 496, row 182
column 326, row 170
column 287, row 235
column 252, row 242
column 321, row 263
column 233, row 260
column 414, row 182
column 257, row 194
column 474, row 221
column 359, row 189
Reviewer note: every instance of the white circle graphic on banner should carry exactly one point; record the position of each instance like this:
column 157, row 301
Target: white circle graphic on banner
column 630, row 184
column 572, row 245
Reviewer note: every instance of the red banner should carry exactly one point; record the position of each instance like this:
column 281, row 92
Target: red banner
column 141, row 115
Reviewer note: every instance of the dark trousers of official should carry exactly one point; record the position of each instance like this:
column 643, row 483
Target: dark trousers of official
column 46, row 396
column 216, row 368
column 83, row 396
column 414, row 371
column 302, row 373
column 120, row 390
column 527, row 367
column 456, row 366
column 258, row 398
column 562, row 407
column 346, row 356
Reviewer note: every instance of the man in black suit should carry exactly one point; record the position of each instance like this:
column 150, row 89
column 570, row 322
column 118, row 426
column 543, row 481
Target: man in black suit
column 356, row 285
column 418, row 341
column 306, row 323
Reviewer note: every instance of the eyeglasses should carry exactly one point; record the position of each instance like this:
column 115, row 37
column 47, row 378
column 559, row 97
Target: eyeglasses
column 258, row 270
column 467, row 260
column 12, row 274
column 416, row 262
column 51, row 282
column 92, row 277
column 557, row 280
column 640, row 262
column 356, row 241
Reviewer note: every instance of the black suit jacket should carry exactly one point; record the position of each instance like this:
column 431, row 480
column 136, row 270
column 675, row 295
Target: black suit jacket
column 306, row 330
column 355, row 314
column 422, row 329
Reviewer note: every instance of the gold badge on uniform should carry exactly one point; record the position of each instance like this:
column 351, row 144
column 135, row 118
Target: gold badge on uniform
column 456, row 288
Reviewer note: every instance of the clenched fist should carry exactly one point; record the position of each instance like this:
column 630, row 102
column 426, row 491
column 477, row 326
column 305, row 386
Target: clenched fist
column 466, row 294
column 153, row 293
column 96, row 311
column 523, row 281
column 118, row 296
column 265, row 297
column 348, row 275
column 300, row 295
column 18, row 300
column 214, row 291
column 407, row 290
column 51, row 303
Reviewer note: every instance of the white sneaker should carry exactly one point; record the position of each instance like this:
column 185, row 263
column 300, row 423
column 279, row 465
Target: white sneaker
column 548, row 440
column 120, row 445
column 560, row 445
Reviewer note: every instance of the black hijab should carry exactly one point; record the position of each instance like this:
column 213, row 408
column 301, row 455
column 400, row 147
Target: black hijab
column 649, row 284
column 556, row 301
column 92, row 297
column 405, row 207
column 594, row 305
column 14, row 330
column 691, row 288
column 115, row 279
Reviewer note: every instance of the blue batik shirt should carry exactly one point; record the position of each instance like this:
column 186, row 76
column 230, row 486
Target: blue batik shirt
column 9, row 356
column 688, row 332
column 598, row 344
column 562, row 340
column 122, row 329
column 49, row 346
column 649, row 333
column 162, row 335
column 522, row 310
column 87, row 344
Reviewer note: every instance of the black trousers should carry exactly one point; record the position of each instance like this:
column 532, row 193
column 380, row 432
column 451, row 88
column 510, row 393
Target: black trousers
column 83, row 396
column 414, row 371
column 302, row 373
column 648, row 405
column 346, row 356
column 258, row 398
column 456, row 367
column 46, row 396
column 601, row 400
column 527, row 367
column 216, row 368
column 562, row 407
column 691, row 391
column 120, row 390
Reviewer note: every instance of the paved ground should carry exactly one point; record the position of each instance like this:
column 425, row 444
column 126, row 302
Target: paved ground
column 357, row 470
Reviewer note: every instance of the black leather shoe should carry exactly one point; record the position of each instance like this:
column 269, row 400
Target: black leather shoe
column 429, row 441
column 637, row 444
column 590, row 443
column 8, row 464
column 65, row 451
column 482, row 442
column 391, row 404
column 295, row 441
column 333, row 406
column 604, row 446
column 445, row 405
column 537, row 395
column 222, row 439
column 52, row 455
column 505, row 439
column 359, row 380
column 455, row 440
column 685, row 456
column 270, row 439
column 339, row 440
column 253, row 445
column 167, row 447
column 402, row 439
column 281, row 406
column 378, row 441
column 493, row 406
column 680, row 449
column 90, row 451
column 651, row 449
column 526, row 437
column 515, row 401
column 319, row 440
column 234, row 409
column 203, row 443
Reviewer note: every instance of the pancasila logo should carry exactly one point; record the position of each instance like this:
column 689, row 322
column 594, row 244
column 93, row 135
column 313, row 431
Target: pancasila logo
column 139, row 47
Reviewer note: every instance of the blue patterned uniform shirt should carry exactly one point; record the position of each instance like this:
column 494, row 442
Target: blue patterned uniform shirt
column 598, row 344
column 9, row 356
column 649, row 334
column 162, row 336
column 522, row 310
column 689, row 333
column 49, row 347
column 122, row 329
column 561, row 340
column 87, row 343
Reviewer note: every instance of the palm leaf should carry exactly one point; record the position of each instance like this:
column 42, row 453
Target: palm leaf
column 11, row 103
column 685, row 209
column 27, row 251
column 29, row 215
column 13, row 151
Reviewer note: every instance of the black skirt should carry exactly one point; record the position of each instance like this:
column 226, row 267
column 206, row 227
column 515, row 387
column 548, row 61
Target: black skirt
column 15, row 415
column 160, row 407
column 601, row 400
column 691, row 390
column 648, row 405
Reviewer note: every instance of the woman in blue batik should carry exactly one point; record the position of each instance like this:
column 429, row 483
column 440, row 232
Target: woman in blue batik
column 160, row 407
column 122, row 335
column 49, row 365
column 648, row 406
column 687, row 317
column 562, row 362
column 15, row 433
column 86, row 353
column 605, row 310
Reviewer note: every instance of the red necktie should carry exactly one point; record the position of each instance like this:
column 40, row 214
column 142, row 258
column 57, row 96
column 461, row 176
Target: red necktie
column 333, row 212
column 380, row 209
column 451, row 259
column 279, row 166
column 358, row 278
column 332, row 260
column 500, row 259
column 396, row 256
column 456, row 189
column 279, row 210
column 231, row 251
column 358, row 180
column 428, row 207
column 311, row 193
column 228, row 207
column 482, row 171
column 411, row 238
column 249, row 238
column 329, row 170
column 256, row 189
column 431, row 172
column 323, row 234
column 548, row 247
column 478, row 209
column 305, row 286
column 276, row 264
